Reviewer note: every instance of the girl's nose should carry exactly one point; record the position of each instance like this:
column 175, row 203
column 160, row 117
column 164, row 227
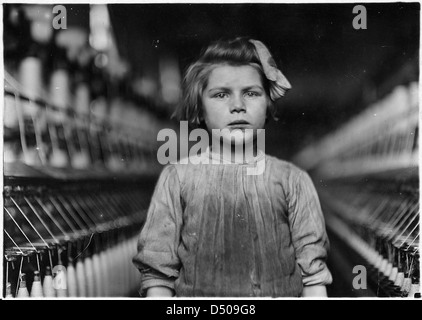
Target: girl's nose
column 237, row 104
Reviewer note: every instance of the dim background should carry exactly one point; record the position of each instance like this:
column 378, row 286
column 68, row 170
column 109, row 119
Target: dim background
column 83, row 106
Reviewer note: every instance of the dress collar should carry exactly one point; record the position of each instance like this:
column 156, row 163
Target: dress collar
column 217, row 158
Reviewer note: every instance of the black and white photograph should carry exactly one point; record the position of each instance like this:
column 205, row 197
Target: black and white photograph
column 210, row 150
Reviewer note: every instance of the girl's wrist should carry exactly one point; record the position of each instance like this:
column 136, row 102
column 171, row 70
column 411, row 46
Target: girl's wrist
column 159, row 291
column 314, row 291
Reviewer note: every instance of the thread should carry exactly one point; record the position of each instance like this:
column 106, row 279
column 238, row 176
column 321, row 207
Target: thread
column 48, row 287
column 10, row 116
column 36, row 290
column 23, row 290
column 9, row 290
column 405, row 288
column 414, row 288
column 399, row 279
column 60, row 282
column 89, row 277
column 393, row 274
column 80, row 278
column 388, row 269
column 97, row 275
column 72, row 287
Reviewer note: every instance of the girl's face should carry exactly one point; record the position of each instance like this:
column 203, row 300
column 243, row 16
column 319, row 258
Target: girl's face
column 235, row 99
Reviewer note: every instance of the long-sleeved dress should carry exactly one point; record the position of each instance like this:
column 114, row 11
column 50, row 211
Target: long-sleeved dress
column 214, row 230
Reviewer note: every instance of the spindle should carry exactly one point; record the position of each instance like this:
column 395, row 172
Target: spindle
column 72, row 284
column 36, row 290
column 48, row 287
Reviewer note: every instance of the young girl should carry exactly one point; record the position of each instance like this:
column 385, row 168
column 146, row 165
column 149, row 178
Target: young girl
column 212, row 229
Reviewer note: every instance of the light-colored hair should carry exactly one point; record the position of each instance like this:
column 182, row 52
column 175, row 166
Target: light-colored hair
column 235, row 52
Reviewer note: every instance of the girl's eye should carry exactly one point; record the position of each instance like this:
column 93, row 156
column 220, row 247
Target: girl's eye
column 221, row 95
column 251, row 94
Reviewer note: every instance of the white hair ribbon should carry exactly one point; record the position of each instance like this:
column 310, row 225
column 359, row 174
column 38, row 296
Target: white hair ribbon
column 280, row 84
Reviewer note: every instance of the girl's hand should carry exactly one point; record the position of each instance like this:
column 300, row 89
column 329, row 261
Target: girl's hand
column 314, row 291
column 159, row 292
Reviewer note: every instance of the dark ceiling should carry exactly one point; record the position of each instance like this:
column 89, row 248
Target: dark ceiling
column 334, row 69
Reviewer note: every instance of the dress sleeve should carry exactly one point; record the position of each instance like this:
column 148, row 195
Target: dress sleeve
column 157, row 258
column 308, row 231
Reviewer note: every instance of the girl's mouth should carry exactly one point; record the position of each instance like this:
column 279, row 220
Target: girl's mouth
column 238, row 123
